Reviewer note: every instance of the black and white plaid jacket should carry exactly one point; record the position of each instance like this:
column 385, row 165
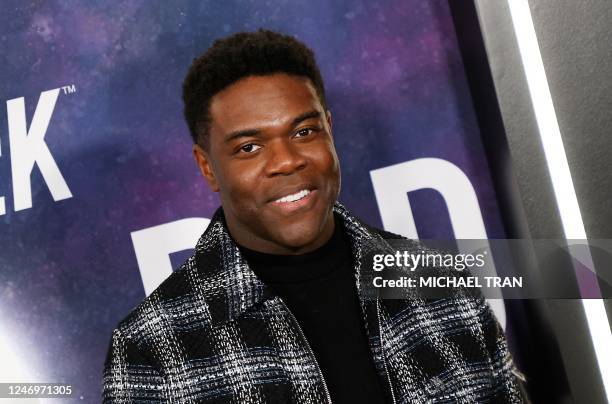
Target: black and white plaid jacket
column 213, row 332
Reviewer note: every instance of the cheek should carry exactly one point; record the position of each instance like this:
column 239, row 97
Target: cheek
column 240, row 185
column 329, row 166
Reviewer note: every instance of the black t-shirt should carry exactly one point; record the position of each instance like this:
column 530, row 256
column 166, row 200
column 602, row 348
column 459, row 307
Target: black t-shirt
column 319, row 288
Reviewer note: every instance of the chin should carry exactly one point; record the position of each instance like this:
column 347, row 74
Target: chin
column 297, row 240
column 299, row 236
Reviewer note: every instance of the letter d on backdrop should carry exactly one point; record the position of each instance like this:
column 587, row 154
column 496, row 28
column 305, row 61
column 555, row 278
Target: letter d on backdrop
column 442, row 176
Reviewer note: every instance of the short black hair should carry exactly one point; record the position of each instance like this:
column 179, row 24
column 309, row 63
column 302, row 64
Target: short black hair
column 240, row 55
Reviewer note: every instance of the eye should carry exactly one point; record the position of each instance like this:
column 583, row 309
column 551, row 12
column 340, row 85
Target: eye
column 249, row 148
column 304, row 132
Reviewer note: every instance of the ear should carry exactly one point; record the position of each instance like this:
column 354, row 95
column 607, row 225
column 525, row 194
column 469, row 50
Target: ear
column 329, row 121
column 203, row 161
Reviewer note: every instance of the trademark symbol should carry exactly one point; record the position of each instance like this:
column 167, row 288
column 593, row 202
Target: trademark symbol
column 69, row 89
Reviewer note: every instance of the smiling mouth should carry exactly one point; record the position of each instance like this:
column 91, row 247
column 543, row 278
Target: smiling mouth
column 293, row 197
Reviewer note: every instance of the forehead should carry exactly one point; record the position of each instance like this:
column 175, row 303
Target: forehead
column 260, row 101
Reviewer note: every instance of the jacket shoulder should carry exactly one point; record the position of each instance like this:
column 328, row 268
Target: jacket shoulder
column 131, row 362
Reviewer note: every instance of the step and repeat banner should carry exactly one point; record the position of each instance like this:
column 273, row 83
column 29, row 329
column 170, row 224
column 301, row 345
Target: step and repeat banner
column 99, row 194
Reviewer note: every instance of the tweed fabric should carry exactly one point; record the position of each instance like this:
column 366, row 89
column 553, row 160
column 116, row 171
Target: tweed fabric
column 213, row 332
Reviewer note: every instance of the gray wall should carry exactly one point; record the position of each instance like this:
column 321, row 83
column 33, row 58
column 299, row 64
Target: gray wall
column 575, row 39
column 575, row 42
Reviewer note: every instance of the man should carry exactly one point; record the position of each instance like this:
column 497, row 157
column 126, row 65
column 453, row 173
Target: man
column 269, row 309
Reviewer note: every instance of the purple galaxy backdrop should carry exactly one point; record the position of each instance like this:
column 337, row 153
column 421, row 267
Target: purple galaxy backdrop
column 68, row 273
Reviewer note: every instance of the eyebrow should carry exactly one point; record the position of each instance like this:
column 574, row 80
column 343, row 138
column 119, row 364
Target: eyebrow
column 306, row 115
column 254, row 132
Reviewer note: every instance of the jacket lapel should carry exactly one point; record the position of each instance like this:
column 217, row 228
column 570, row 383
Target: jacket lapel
column 227, row 284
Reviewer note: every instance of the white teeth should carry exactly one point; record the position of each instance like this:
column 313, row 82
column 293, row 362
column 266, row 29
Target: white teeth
column 294, row 197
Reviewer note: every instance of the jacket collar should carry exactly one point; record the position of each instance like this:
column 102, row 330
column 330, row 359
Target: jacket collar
column 230, row 287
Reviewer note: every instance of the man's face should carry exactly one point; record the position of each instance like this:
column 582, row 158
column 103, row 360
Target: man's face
column 273, row 161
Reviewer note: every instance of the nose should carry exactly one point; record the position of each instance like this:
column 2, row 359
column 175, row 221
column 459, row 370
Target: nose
column 284, row 158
